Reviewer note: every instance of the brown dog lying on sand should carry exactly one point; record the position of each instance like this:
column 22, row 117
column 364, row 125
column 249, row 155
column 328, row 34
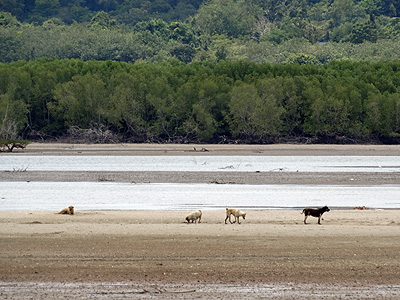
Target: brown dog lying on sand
column 317, row 213
column 68, row 211
column 194, row 216
column 236, row 213
column 360, row 207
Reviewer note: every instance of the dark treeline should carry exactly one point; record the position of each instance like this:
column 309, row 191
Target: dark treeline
column 106, row 101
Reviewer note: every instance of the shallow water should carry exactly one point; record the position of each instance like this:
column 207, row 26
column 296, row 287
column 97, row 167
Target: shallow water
column 111, row 195
column 202, row 163
column 156, row 196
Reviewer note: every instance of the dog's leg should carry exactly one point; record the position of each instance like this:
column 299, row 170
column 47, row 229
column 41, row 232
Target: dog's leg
column 238, row 219
column 227, row 219
column 305, row 219
column 319, row 220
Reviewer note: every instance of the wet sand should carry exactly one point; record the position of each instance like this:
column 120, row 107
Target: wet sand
column 154, row 254
column 314, row 178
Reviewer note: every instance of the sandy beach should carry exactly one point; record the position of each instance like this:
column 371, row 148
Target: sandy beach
column 151, row 252
column 155, row 254
column 206, row 149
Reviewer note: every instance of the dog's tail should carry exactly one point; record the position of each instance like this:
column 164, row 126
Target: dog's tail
column 303, row 211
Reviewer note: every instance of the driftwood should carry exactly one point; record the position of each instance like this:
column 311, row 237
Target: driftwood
column 9, row 146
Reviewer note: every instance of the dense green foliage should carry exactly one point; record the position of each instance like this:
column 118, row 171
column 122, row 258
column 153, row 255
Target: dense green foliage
column 133, row 11
column 200, row 71
column 194, row 30
column 200, row 102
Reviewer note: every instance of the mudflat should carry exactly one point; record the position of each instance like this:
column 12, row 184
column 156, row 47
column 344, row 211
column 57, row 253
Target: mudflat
column 155, row 254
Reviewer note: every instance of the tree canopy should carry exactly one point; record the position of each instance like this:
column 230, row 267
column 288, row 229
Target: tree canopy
column 200, row 102
column 201, row 71
column 159, row 30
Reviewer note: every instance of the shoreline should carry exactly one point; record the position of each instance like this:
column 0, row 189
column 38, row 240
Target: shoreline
column 207, row 149
column 351, row 251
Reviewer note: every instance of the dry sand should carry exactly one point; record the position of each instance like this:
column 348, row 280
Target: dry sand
column 192, row 149
column 146, row 253
column 354, row 254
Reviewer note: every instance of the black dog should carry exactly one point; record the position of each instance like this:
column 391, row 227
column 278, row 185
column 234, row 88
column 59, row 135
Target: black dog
column 314, row 213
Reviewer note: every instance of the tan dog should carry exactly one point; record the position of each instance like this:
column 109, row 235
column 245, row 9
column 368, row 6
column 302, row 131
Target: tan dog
column 68, row 211
column 237, row 213
column 194, row 216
